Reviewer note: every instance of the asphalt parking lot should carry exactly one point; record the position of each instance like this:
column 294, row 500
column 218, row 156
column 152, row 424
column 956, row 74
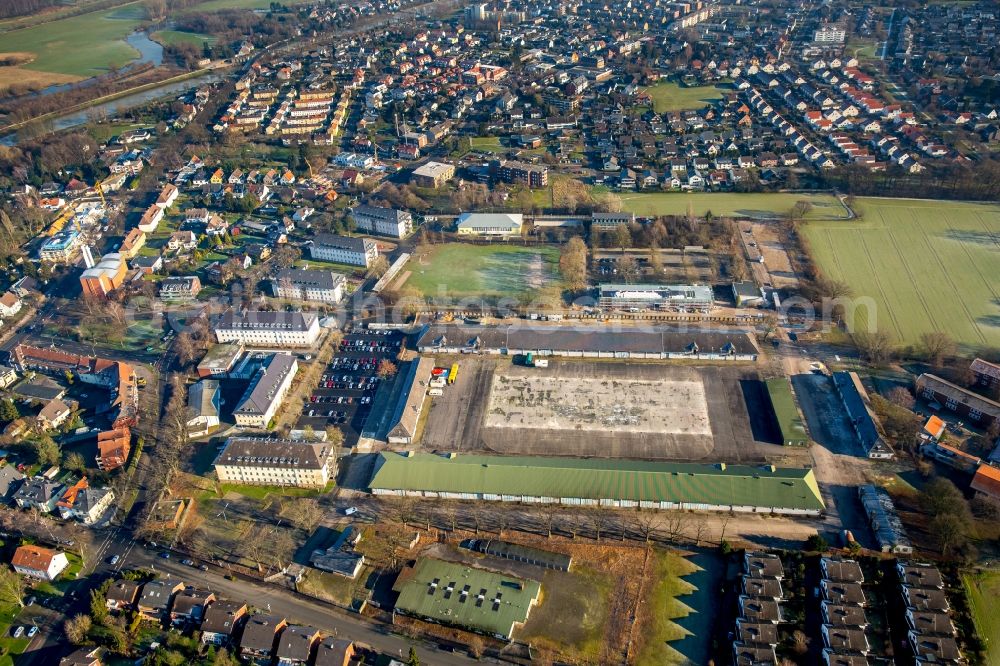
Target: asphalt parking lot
column 348, row 385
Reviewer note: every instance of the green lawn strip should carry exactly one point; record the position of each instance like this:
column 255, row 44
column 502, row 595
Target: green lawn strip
column 667, row 570
column 260, row 492
column 174, row 37
column 749, row 205
column 982, row 590
column 573, row 613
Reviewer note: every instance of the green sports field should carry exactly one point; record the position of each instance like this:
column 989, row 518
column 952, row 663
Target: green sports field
column 84, row 45
column 758, row 206
column 925, row 265
column 669, row 96
column 457, row 270
column 982, row 590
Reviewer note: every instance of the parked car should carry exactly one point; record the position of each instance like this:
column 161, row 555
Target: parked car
column 32, row 631
column 350, row 511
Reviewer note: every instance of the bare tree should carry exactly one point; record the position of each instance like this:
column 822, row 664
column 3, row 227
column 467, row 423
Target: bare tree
column 11, row 587
column 303, row 513
column 901, row 397
column 599, row 520
column 645, row 523
column 937, row 346
column 628, row 268
column 877, row 346
column 76, row 628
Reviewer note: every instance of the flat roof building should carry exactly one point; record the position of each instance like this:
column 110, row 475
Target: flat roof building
column 670, row 297
column 410, row 405
column 592, row 482
column 458, row 595
column 220, row 359
column 105, row 277
column 433, row 174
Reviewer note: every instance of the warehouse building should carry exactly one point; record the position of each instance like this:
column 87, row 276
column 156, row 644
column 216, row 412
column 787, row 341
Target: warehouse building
column 885, row 523
column 786, row 413
column 461, row 596
column 859, row 414
column 518, row 553
column 592, row 482
column 411, row 402
column 256, row 328
column 586, row 341
column 344, row 250
column 490, row 224
column 669, row 297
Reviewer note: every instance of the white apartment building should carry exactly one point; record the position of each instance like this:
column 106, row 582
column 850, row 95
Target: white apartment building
column 275, row 462
column 344, row 250
column 309, row 285
column 268, row 329
column 383, row 221
column 267, row 390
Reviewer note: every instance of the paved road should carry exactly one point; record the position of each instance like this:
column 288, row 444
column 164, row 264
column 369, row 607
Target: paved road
column 296, row 608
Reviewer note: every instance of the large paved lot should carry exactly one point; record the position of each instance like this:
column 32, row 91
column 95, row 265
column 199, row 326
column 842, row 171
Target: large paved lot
column 347, row 389
column 604, row 409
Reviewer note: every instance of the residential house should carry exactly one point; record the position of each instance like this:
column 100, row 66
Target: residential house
column 10, row 481
column 222, row 619
column 180, row 288
column 10, row 304
column 335, row 651
column 113, row 447
column 260, row 634
column 154, row 602
column 297, row 644
column 85, row 656
column 38, row 493
column 122, row 595
column 182, row 241
column 85, row 503
column 53, row 414
column 134, row 240
column 189, row 606
column 38, row 562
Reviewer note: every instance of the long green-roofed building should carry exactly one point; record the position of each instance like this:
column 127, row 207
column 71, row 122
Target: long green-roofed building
column 593, row 482
column 467, row 597
column 793, row 430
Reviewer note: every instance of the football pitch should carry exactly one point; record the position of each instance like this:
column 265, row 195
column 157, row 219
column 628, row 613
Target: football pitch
column 458, row 270
column 925, row 266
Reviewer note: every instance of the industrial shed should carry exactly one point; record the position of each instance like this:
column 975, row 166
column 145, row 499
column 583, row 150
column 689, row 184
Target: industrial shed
column 593, row 482
column 588, row 341
column 519, row 553
column 786, row 413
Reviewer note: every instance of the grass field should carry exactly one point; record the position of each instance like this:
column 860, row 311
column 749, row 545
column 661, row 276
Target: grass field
column 172, row 37
column 983, row 590
column 760, row 206
column 573, row 614
column 457, row 270
column 925, row 265
column 79, row 46
column 669, row 96
column 216, row 5
column 664, row 607
column 486, row 144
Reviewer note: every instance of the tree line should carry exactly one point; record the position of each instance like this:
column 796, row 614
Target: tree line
column 12, row 8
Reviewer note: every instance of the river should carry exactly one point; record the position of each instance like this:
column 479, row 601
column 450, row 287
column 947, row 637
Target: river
column 114, row 107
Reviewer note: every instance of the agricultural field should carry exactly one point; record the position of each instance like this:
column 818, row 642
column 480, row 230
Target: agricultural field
column 172, row 37
column 669, row 96
column 983, row 589
column 925, row 266
column 750, row 205
column 216, row 5
column 458, row 270
column 76, row 47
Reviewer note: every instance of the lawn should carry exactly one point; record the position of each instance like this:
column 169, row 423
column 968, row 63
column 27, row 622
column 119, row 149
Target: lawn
column 332, row 587
column 486, row 144
column 760, row 206
column 457, row 270
column 79, row 46
column 667, row 569
column 172, row 37
column 669, row 96
column 983, row 590
column 260, row 492
column 922, row 266
column 573, row 613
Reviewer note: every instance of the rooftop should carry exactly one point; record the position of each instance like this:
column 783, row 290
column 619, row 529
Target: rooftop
column 459, row 595
column 712, row 485
column 266, row 452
